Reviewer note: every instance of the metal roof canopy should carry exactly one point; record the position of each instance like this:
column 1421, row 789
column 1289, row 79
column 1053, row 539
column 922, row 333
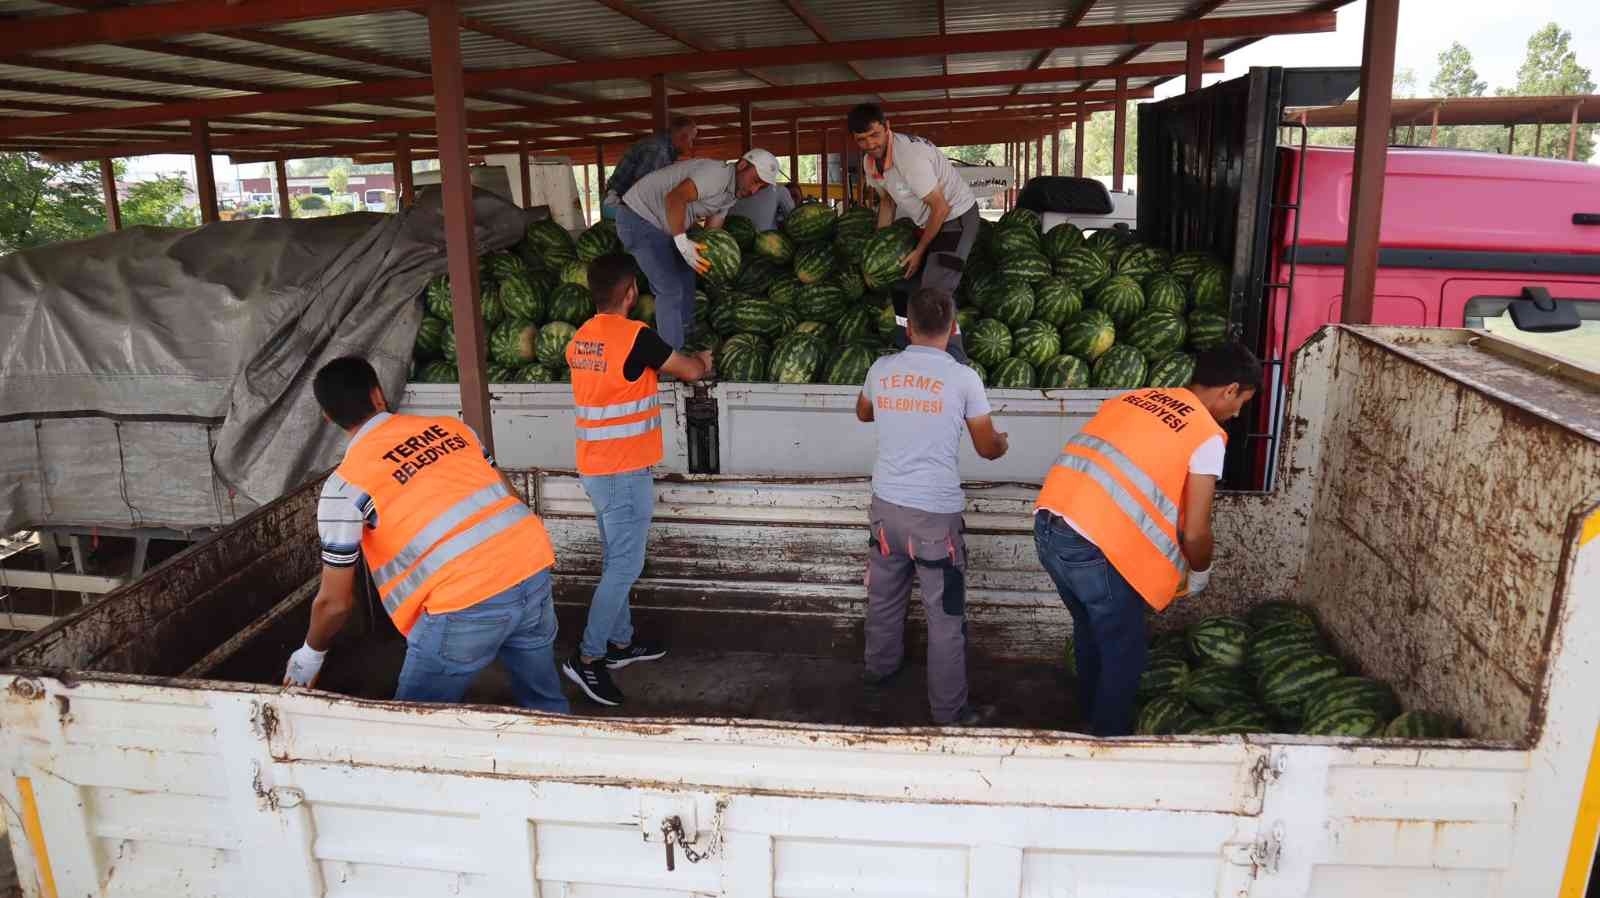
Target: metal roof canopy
column 1552, row 110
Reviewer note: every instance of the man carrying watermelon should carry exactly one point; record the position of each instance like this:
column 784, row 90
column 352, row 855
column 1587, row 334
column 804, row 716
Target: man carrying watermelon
column 614, row 362
column 915, row 181
column 655, row 217
column 922, row 401
column 1124, row 521
column 647, row 155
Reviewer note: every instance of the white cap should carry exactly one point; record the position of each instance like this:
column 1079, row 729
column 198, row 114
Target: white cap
column 765, row 163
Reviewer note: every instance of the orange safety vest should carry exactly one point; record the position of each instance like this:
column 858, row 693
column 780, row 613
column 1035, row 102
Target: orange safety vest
column 1120, row 482
column 449, row 533
column 619, row 421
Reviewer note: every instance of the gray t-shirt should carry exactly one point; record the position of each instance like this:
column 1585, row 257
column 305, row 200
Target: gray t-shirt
column 765, row 208
column 714, row 180
column 921, row 400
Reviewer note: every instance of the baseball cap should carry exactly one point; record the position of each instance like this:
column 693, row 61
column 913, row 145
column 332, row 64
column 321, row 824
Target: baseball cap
column 765, row 163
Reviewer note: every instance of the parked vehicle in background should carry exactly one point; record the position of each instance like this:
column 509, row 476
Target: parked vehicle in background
column 378, row 200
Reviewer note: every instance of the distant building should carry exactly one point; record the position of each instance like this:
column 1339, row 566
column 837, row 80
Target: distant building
column 317, row 184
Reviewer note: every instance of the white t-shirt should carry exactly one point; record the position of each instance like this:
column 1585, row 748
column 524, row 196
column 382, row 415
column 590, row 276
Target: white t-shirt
column 912, row 169
column 714, row 181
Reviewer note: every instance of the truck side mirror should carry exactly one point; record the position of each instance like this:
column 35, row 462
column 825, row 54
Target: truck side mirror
column 1538, row 312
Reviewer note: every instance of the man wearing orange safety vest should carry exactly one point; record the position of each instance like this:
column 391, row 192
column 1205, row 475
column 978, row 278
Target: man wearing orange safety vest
column 614, row 361
column 1124, row 519
column 461, row 564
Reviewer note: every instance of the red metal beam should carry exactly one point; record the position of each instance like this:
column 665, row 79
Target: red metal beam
column 1371, row 151
column 1071, row 21
column 204, row 176
column 118, row 24
column 659, row 109
column 108, row 186
column 281, row 169
column 1194, row 61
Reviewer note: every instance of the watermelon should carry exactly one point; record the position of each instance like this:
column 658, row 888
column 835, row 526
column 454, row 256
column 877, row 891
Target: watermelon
column 1011, row 303
column 490, row 308
column 1084, row 267
column 1121, row 298
column 1247, row 714
column 819, row 302
column 1156, row 334
column 1035, row 342
column 437, row 298
column 430, row 334
column 966, row 318
column 1137, row 260
column 855, row 324
column 1173, row 370
column 1056, row 300
column 549, row 238
column 1164, row 292
column 989, row 343
column 856, row 221
column 572, row 304
column 882, row 259
column 1120, row 368
column 1216, row 688
column 512, row 344
column 814, row 263
column 1352, row 692
column 1012, row 240
column 742, row 229
column 1268, row 614
column 532, row 374
column 1065, row 372
column 887, row 325
column 1421, row 725
column 750, row 341
column 1184, row 265
column 1207, row 330
column 784, row 289
column 499, row 266
column 742, row 363
column 722, row 251
column 983, row 373
column 1060, row 240
column 523, row 300
column 575, row 272
column 810, row 222
column 598, row 241
column 795, row 360
column 1278, row 640
column 1088, row 335
column 1014, row 374
column 1021, row 217
column 1351, row 722
column 1029, row 265
column 721, row 318
column 1106, row 239
column 757, row 276
column 440, row 373
column 1163, row 674
column 850, row 366
column 850, row 249
column 760, row 317
column 447, row 343
column 774, row 246
column 1219, row 641
column 1209, row 289
column 501, row 374
column 1171, row 642
column 644, row 309
column 850, row 282
column 1164, row 715
column 551, row 347
column 1287, row 681
column 818, row 329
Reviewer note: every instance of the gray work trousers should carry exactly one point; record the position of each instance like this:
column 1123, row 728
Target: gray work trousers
column 909, row 543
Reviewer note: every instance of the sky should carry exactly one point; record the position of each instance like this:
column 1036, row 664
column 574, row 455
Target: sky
column 1496, row 33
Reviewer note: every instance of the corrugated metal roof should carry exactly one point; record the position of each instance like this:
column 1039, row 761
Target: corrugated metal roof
column 732, row 24
column 588, row 29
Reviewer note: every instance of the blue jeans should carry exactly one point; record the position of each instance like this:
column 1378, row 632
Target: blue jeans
column 445, row 651
column 1107, row 624
column 623, row 504
column 670, row 277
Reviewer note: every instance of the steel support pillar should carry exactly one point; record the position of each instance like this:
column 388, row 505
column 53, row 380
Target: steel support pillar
column 746, row 138
column 108, row 184
column 1077, row 143
column 1119, row 139
column 658, row 102
column 205, row 180
column 281, row 168
column 525, row 179
column 1194, row 64
column 405, row 185
column 1371, row 152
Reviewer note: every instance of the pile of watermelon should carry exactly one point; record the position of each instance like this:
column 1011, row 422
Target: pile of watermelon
column 533, row 297
column 1062, row 310
column 1272, row 671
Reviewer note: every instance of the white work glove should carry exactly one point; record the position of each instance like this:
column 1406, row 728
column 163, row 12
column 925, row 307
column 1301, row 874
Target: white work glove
column 304, row 665
column 691, row 253
column 1198, row 581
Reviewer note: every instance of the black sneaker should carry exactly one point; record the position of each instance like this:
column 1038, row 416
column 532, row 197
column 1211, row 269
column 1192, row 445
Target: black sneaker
column 593, row 679
column 973, row 716
column 639, row 650
column 873, row 679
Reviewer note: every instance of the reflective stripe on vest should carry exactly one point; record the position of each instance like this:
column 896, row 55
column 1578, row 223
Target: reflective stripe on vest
column 1129, row 505
column 1135, row 475
column 618, row 431
column 451, row 549
column 620, row 410
column 452, row 518
column 617, row 423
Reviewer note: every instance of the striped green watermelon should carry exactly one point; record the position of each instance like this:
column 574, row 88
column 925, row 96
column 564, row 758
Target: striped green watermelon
column 850, row 249
column 490, row 308
column 430, row 336
column 814, row 263
column 1088, row 336
column 437, row 298
column 1207, row 330
column 850, row 365
column 1035, row 342
column 1137, row 260
column 820, row 330
column 1287, row 681
column 500, row 374
column 1209, row 289
column 1056, row 300
column 784, row 290
column 439, row 373
column 1352, row 692
column 1216, row 688
column 1121, row 298
column 1219, row 641
column 1351, row 721
column 1422, row 725
column 989, row 343
column 748, row 341
column 1156, row 334
column 1030, row 266
column 547, row 237
column 575, row 272
column 758, row 275
column 572, row 304
column 721, row 318
column 1014, row 374
column 1011, row 303
column 1163, row 674
column 1009, row 240
column 742, row 364
column 774, row 246
column 722, row 251
column 1120, row 368
column 522, row 299
column 598, row 241
column 1106, row 239
column 966, row 318
column 856, row 221
column 819, row 302
column 1281, row 639
column 1164, row 292
column 1267, row 614
column 551, row 347
column 1212, row 728
column 1170, row 642
column 512, row 344
column 1060, row 240
column 983, row 374
column 1021, row 217
column 1084, row 267
column 885, row 320
column 795, row 360
column 1165, row 715
column 644, row 309
column 850, row 282
column 1064, row 372
column 1184, row 265
column 533, row 374
column 498, row 266
column 855, row 323
column 447, row 343
column 742, row 229
column 810, row 222
column 1173, row 370
column 882, row 259
column 1246, row 714
column 758, row 316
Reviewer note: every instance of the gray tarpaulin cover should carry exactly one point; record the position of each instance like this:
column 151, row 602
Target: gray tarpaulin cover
column 162, row 377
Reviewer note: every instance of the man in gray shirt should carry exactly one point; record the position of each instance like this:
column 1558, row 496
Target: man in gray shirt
column 922, row 400
column 766, row 209
column 658, row 211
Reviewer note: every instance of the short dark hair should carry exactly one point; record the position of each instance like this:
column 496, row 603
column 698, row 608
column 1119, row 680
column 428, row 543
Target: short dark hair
column 343, row 388
column 678, row 121
column 609, row 277
column 1230, row 363
column 930, row 311
column 861, row 118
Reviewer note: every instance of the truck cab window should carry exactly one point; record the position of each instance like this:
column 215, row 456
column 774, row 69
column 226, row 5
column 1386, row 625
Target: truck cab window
column 1581, row 345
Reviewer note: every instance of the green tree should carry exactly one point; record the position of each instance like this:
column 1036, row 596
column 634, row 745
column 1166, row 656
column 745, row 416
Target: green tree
column 47, row 202
column 159, row 202
column 1551, row 69
column 973, row 154
column 1099, row 138
column 1457, row 77
column 339, row 181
